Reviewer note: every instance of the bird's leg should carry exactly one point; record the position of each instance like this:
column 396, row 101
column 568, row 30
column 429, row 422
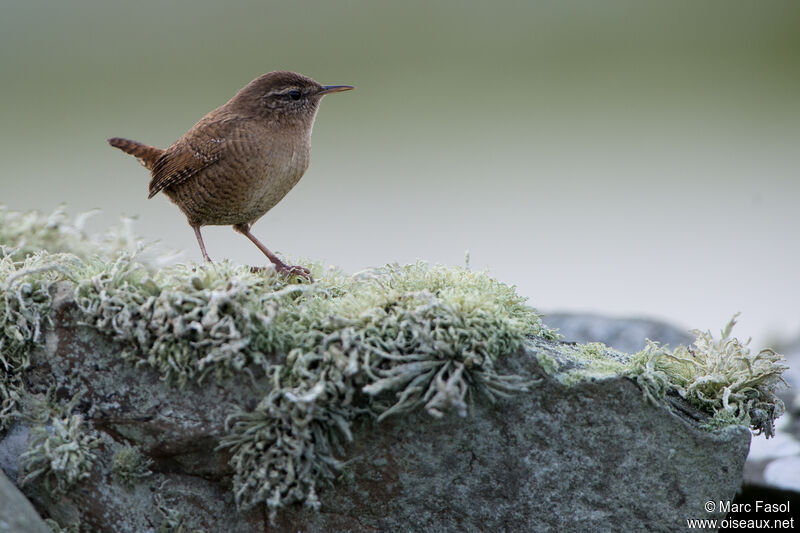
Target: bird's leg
column 280, row 266
column 200, row 242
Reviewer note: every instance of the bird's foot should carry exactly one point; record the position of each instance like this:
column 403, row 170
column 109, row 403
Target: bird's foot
column 295, row 270
column 289, row 271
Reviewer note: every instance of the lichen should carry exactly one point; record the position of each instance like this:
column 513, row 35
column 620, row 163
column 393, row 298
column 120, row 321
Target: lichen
column 547, row 362
column 30, row 262
column 59, row 454
column 399, row 339
column 721, row 377
column 571, row 363
column 379, row 343
column 23, row 234
column 382, row 342
column 55, row 527
column 28, row 233
column 184, row 321
column 130, row 465
column 25, row 303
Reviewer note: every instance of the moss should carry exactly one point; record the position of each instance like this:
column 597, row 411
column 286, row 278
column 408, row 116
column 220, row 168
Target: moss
column 59, row 454
column 27, row 273
column 547, row 362
column 572, row 363
column 721, row 377
column 25, row 234
column 130, row 465
column 380, row 343
column 25, row 304
column 385, row 342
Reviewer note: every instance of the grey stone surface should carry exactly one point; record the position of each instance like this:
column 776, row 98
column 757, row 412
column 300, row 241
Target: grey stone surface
column 11, row 447
column 17, row 515
column 771, row 463
column 624, row 333
column 588, row 457
column 591, row 457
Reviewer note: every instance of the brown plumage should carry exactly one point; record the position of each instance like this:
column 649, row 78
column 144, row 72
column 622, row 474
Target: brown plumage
column 147, row 155
column 240, row 159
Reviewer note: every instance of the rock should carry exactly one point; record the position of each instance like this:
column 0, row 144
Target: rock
column 17, row 515
column 140, row 395
column 593, row 456
column 773, row 465
column 624, row 334
column 568, row 457
column 12, row 446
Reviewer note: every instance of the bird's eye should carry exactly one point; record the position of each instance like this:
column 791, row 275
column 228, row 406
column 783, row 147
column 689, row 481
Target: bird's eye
column 294, row 94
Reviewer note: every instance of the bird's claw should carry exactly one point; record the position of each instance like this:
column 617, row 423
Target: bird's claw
column 289, row 270
column 300, row 271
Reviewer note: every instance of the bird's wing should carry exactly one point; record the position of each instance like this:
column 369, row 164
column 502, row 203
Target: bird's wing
column 202, row 147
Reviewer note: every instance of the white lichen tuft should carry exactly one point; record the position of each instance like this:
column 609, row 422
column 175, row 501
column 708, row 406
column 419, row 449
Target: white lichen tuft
column 23, row 234
column 386, row 342
column 185, row 321
column 55, row 527
column 59, row 454
column 25, row 304
column 383, row 342
column 30, row 262
column 721, row 377
column 380, row 343
column 130, row 465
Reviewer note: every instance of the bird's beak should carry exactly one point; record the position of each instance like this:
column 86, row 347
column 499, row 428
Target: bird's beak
column 327, row 89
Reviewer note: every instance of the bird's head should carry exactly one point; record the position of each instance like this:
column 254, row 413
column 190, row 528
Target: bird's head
column 283, row 96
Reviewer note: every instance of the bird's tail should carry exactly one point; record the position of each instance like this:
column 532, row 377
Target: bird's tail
column 147, row 155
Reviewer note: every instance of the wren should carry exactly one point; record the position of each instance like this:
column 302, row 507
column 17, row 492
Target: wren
column 240, row 159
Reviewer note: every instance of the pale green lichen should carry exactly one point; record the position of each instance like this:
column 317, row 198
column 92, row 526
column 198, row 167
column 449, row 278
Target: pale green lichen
column 26, row 276
column 379, row 343
column 393, row 340
column 547, row 362
column 59, row 454
column 185, row 321
column 28, row 233
column 130, row 465
column 382, row 342
column 25, row 303
column 598, row 359
column 721, row 377
column 23, row 234
column 55, row 527
column 571, row 363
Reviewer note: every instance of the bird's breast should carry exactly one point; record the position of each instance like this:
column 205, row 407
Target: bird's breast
column 254, row 174
column 273, row 171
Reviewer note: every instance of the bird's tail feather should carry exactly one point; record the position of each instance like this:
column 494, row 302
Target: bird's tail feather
column 147, row 155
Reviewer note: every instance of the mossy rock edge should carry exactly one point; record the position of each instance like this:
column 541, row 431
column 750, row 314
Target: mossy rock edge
column 593, row 451
column 214, row 397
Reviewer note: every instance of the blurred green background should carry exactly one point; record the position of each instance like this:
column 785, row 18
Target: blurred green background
column 621, row 157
